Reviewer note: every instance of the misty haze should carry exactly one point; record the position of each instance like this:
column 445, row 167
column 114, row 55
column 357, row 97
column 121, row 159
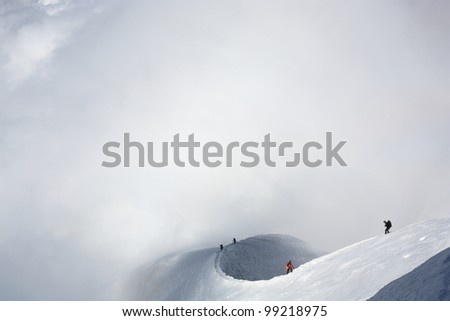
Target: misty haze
column 75, row 75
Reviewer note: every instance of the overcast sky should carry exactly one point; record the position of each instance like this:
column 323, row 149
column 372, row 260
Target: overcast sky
column 77, row 74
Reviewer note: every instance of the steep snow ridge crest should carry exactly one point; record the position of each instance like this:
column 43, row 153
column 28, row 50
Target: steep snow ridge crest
column 194, row 275
column 242, row 272
column 263, row 257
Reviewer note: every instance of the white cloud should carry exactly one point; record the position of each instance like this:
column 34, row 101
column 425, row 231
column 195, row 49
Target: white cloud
column 54, row 7
column 33, row 46
column 32, row 31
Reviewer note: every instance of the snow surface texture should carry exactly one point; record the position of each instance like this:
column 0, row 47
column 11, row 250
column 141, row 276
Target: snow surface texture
column 429, row 281
column 356, row 272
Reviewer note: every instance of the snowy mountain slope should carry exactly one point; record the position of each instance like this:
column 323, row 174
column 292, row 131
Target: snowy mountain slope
column 179, row 277
column 263, row 257
column 188, row 276
column 356, row 272
column 429, row 281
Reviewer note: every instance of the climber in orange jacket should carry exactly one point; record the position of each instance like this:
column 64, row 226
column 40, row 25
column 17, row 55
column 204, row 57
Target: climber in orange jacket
column 289, row 267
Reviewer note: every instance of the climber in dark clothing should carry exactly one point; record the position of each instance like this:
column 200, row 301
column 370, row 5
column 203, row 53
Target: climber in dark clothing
column 221, row 247
column 387, row 225
column 234, row 240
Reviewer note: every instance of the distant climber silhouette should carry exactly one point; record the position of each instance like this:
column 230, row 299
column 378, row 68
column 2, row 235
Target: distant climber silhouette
column 289, row 267
column 221, row 247
column 387, row 225
column 234, row 240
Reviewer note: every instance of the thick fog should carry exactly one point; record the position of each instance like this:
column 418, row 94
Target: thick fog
column 75, row 75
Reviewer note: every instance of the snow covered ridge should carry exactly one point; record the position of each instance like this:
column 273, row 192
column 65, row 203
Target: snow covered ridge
column 429, row 281
column 264, row 257
column 356, row 272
